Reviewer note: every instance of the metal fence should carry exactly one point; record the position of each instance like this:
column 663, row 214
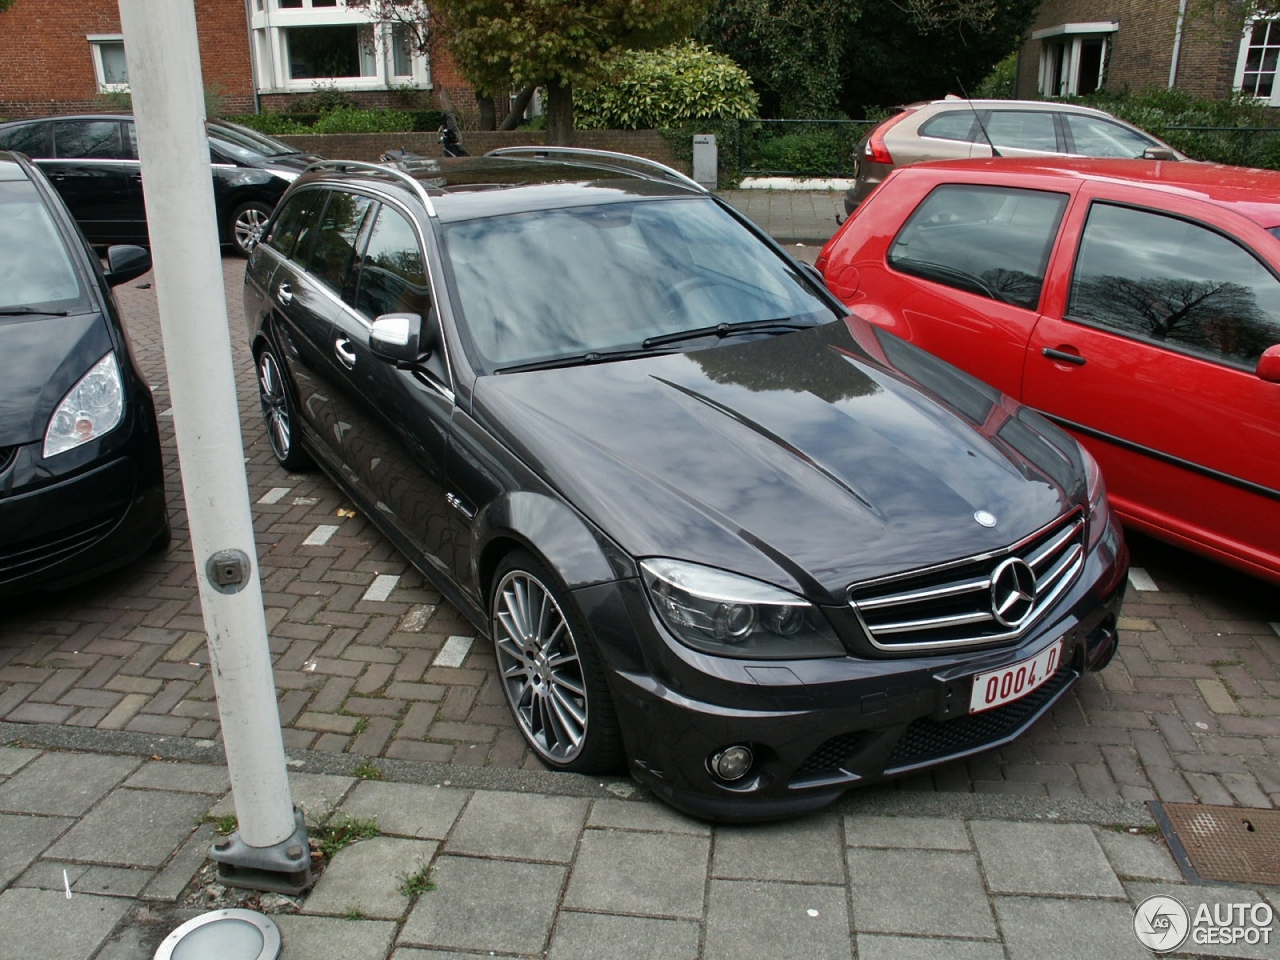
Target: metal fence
column 799, row 148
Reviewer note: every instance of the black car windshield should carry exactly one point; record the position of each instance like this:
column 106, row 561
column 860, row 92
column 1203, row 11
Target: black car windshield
column 36, row 271
column 248, row 146
column 577, row 281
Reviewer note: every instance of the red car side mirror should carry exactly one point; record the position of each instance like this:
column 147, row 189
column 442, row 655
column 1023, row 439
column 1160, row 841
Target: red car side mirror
column 1269, row 364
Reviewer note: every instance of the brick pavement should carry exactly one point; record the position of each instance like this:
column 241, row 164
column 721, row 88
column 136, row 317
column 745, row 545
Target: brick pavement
column 366, row 666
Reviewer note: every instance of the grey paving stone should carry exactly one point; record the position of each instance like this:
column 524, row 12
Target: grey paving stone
column 805, row 850
column 181, row 778
column 316, row 793
column 169, row 882
column 13, row 759
column 1213, row 896
column 132, row 827
column 781, row 921
column 23, row 838
column 877, row 947
column 926, row 833
column 928, row 892
column 85, row 878
column 599, row 936
column 416, row 953
column 1044, row 858
column 661, row 875
column 635, row 815
column 1036, row 928
column 1137, row 856
column 521, row 825
column 501, row 905
column 63, row 784
column 45, row 925
column 407, row 809
column 310, row 938
column 367, row 877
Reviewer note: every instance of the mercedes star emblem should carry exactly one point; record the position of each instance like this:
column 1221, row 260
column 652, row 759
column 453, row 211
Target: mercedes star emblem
column 985, row 518
column 1013, row 592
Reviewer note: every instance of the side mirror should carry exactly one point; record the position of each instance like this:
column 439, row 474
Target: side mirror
column 1269, row 365
column 397, row 337
column 1158, row 153
column 125, row 263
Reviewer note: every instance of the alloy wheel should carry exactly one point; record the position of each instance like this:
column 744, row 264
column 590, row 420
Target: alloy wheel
column 248, row 227
column 275, row 406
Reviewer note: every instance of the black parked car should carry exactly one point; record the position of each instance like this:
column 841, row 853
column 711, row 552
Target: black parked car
column 713, row 524
column 81, row 480
column 93, row 161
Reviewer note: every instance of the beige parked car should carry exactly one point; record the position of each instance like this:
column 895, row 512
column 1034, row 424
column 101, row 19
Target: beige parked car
column 955, row 129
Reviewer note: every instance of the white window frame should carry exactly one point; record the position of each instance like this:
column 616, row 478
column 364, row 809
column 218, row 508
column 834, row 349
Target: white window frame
column 269, row 41
column 1243, row 56
column 1071, row 37
column 96, row 40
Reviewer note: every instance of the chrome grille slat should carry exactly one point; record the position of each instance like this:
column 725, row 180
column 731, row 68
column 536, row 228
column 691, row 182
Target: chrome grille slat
column 951, row 605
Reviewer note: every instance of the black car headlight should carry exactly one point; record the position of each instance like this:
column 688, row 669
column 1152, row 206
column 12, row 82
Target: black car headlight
column 92, row 407
column 734, row 616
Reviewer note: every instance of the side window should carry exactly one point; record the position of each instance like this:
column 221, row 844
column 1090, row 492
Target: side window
column 1094, row 137
column 87, row 139
column 954, row 125
column 393, row 277
column 1174, row 283
column 335, row 243
column 1022, row 130
column 29, row 138
column 298, row 214
column 992, row 241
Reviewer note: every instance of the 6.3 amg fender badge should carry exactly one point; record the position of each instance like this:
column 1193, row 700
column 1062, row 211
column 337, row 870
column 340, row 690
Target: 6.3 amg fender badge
column 1013, row 592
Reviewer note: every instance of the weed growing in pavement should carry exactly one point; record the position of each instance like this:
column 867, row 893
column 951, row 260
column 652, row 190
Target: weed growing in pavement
column 361, row 726
column 336, row 830
column 224, row 824
column 365, row 770
column 353, row 913
column 419, row 882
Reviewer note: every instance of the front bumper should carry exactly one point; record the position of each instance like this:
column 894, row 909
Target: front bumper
column 818, row 727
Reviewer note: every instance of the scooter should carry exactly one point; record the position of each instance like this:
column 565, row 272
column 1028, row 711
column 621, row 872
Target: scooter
column 450, row 143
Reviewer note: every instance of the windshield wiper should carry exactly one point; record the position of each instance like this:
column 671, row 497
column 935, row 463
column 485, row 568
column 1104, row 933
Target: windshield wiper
column 31, row 312
column 726, row 330
column 580, row 359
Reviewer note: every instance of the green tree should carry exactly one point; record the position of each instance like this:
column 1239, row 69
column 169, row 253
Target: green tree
column 555, row 44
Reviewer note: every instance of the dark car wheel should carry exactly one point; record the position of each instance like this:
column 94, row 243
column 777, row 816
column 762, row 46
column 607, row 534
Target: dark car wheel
column 549, row 670
column 245, row 227
column 277, row 413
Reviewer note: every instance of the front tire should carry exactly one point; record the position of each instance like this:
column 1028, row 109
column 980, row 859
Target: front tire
column 246, row 224
column 549, row 671
column 278, row 413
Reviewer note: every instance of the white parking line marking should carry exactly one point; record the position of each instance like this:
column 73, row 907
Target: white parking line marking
column 1276, row 627
column 381, row 587
column 167, row 412
column 305, row 501
column 320, row 535
column 453, row 652
column 416, row 619
column 274, row 495
column 1141, row 580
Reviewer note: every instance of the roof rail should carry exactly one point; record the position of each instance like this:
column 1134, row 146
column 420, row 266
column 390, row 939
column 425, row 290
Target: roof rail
column 381, row 168
column 646, row 167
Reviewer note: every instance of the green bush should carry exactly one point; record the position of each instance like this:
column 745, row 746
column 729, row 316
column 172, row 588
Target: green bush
column 666, row 88
column 348, row 120
column 273, row 124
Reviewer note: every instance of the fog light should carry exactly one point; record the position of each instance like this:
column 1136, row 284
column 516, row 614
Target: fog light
column 731, row 763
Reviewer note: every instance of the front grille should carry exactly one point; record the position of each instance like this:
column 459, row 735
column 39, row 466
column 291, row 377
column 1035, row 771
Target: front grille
column 31, row 556
column 951, row 605
column 928, row 740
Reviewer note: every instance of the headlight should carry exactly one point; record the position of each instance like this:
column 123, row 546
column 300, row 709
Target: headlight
column 731, row 616
column 1097, row 491
column 94, row 406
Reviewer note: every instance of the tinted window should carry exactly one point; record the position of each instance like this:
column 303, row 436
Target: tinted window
column 241, row 143
column 30, row 138
column 87, row 140
column 298, row 214
column 1022, row 130
column 954, row 125
column 35, row 268
column 1176, row 283
column 392, row 276
column 1102, row 138
column 335, row 243
column 992, row 241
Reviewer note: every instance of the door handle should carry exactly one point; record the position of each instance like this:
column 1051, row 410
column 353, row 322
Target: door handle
column 347, row 356
column 284, row 292
column 1072, row 358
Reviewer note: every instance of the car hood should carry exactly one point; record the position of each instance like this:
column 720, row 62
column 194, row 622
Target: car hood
column 41, row 358
column 810, row 460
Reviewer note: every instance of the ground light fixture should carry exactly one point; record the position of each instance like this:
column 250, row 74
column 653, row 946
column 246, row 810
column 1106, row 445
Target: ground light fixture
column 223, row 935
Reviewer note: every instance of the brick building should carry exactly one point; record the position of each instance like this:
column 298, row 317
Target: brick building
column 67, row 56
column 1076, row 46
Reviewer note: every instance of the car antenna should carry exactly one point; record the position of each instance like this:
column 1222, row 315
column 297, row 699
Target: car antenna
column 977, row 116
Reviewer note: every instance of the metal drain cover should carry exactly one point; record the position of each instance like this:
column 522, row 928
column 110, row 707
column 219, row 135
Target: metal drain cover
column 1232, row 844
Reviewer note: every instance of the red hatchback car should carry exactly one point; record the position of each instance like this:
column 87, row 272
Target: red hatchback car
column 1136, row 303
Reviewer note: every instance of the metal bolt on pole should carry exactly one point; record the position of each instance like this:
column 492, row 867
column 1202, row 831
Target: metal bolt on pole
column 269, row 851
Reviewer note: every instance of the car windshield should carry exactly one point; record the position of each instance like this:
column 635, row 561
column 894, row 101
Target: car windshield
column 36, row 271
column 247, row 145
column 574, row 281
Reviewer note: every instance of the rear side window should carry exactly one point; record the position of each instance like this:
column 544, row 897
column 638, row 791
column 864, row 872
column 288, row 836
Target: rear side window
column 1175, row 283
column 953, row 125
column 393, row 277
column 29, row 138
column 1022, row 130
column 1095, row 137
column 301, row 211
column 992, row 241
column 87, row 140
column 335, row 244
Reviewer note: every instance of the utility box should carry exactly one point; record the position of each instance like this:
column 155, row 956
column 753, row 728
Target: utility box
column 706, row 159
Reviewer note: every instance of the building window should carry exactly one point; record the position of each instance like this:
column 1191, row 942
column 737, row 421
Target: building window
column 330, row 52
column 1073, row 58
column 108, row 63
column 1256, row 69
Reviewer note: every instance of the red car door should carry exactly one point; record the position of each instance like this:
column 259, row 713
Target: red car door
column 1147, row 349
